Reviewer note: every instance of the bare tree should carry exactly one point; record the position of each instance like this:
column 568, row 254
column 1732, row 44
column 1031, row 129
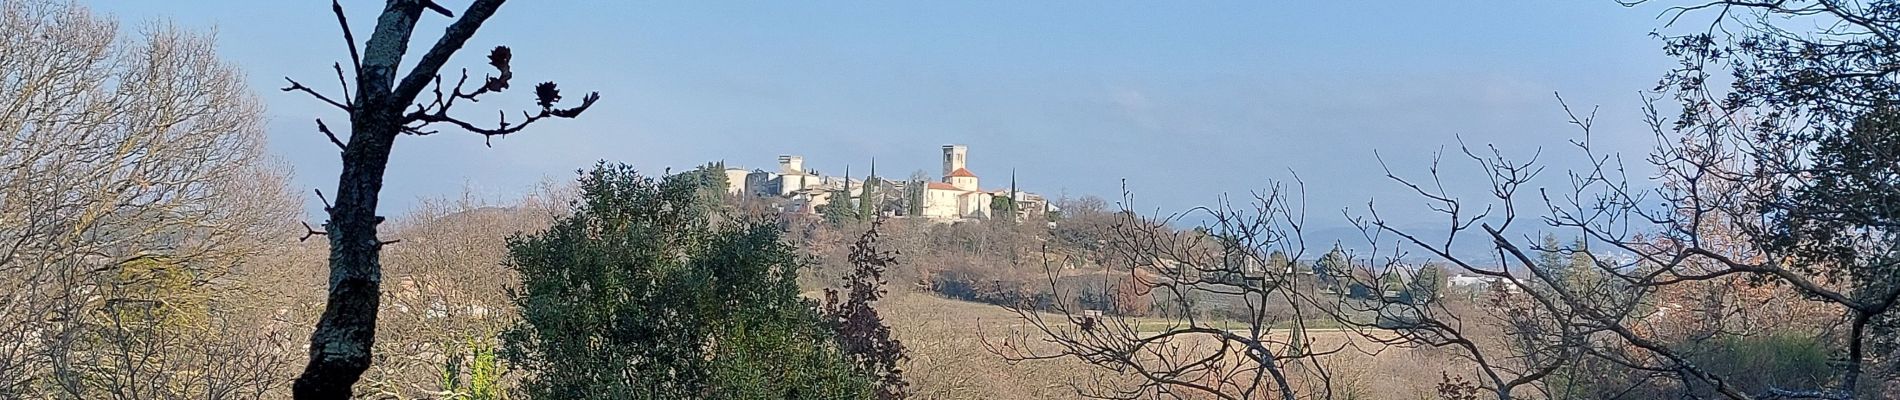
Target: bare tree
column 153, row 344
column 385, row 104
column 1772, row 213
column 450, row 289
column 1225, row 322
column 121, row 154
column 1736, row 214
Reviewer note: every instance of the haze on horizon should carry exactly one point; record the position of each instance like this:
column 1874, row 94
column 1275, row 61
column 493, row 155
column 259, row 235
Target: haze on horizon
column 1184, row 102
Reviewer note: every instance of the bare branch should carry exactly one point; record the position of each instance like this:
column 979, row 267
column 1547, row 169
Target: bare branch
column 326, row 201
column 503, row 128
column 439, row 9
column 308, row 232
column 294, row 86
column 451, row 41
column 331, row 135
column 349, row 39
column 343, row 83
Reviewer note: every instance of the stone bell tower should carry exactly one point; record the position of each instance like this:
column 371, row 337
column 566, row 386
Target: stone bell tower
column 954, row 171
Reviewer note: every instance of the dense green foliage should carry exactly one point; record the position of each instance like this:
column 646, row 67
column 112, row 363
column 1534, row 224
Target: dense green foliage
column 1003, row 208
column 648, row 291
column 870, row 201
column 838, row 210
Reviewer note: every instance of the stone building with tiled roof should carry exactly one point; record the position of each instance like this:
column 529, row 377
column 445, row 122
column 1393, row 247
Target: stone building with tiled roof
column 959, row 196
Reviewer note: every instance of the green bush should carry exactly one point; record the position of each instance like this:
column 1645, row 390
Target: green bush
column 648, row 291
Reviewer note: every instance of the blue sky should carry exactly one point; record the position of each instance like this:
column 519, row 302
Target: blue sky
column 1185, row 101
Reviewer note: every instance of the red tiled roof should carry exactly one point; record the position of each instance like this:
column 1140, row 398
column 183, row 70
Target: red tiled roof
column 960, row 172
column 942, row 186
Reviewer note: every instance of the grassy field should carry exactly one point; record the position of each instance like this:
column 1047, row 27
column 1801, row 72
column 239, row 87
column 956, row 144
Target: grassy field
column 949, row 360
column 1160, row 324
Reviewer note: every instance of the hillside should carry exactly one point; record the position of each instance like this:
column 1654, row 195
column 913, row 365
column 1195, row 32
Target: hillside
column 949, row 360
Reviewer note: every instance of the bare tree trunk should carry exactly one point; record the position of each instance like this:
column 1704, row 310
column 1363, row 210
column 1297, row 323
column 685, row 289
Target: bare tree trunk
column 345, row 334
column 340, row 346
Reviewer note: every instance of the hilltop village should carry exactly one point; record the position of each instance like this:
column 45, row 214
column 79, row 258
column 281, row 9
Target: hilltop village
column 957, row 194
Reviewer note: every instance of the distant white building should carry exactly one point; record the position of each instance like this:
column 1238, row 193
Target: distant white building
column 736, row 180
column 790, row 179
column 959, row 194
column 1478, row 283
column 792, row 176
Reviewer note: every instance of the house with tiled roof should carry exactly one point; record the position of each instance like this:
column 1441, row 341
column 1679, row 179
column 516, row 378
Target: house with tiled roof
column 958, row 196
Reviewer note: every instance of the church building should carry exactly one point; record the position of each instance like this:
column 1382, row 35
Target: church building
column 957, row 196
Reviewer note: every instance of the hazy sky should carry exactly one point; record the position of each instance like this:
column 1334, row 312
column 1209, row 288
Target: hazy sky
column 1185, row 101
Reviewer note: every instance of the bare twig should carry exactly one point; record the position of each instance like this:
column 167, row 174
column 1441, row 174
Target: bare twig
column 326, row 201
column 344, row 84
column 326, row 133
column 294, row 86
column 308, row 232
column 349, row 39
